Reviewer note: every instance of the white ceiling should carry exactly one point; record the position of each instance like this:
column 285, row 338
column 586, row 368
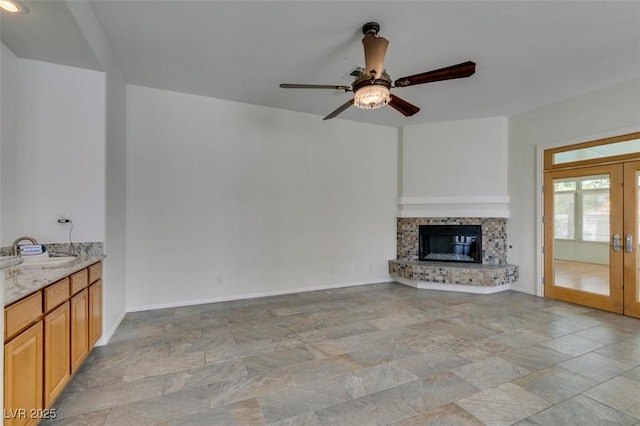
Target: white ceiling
column 528, row 54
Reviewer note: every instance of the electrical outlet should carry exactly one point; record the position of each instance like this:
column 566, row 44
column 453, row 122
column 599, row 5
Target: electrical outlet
column 63, row 219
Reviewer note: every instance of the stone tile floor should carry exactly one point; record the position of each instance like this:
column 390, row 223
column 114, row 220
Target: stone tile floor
column 377, row 354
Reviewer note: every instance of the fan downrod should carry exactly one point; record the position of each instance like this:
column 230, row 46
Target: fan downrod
column 371, row 29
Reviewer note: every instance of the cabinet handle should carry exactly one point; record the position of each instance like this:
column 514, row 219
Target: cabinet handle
column 616, row 242
column 628, row 243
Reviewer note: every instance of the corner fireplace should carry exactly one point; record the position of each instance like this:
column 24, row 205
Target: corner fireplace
column 450, row 243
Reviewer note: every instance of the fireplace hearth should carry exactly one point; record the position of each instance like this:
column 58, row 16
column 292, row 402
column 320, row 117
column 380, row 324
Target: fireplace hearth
column 455, row 254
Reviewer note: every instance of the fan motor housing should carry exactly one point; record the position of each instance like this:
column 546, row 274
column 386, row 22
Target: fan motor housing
column 365, row 80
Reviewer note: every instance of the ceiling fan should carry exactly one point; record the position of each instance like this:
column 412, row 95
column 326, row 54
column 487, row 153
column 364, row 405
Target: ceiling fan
column 371, row 87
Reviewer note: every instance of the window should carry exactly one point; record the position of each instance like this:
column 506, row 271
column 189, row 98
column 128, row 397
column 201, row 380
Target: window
column 599, row 151
column 610, row 148
column 581, row 209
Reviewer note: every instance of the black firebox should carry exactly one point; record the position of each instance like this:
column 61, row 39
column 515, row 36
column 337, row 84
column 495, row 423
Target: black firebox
column 451, row 243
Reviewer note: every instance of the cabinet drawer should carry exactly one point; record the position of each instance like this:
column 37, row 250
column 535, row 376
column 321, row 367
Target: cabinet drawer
column 21, row 314
column 56, row 294
column 95, row 272
column 79, row 280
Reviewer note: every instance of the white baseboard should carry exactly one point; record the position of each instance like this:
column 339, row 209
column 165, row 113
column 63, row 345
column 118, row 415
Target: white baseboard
column 525, row 291
column 254, row 295
column 104, row 339
column 424, row 285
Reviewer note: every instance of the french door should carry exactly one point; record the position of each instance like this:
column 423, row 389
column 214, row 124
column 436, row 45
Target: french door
column 591, row 236
column 632, row 239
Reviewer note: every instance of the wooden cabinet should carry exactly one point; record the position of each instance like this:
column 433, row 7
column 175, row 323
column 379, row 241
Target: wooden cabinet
column 57, row 357
column 23, row 366
column 95, row 312
column 48, row 335
column 79, row 305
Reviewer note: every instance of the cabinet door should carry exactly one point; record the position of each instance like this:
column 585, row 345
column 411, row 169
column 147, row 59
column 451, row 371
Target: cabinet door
column 56, row 352
column 95, row 312
column 79, row 329
column 23, row 376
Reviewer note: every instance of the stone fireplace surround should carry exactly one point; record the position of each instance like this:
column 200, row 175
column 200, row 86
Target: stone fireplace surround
column 493, row 275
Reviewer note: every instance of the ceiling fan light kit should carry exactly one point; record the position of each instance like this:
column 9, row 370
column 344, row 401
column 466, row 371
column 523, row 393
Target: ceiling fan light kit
column 14, row 6
column 372, row 87
column 371, row 97
column 370, row 93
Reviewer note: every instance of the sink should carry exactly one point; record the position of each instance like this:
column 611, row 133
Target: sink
column 48, row 261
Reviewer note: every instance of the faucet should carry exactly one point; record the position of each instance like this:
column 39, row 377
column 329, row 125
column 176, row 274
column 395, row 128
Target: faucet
column 16, row 251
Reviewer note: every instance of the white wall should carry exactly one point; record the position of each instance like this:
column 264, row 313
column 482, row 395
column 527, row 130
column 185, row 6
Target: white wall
column 455, row 158
column 227, row 200
column 8, row 146
column 609, row 110
column 8, row 82
column 114, row 290
column 455, row 168
column 59, row 160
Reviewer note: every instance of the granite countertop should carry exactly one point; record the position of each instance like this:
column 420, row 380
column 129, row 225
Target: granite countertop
column 21, row 280
column 7, row 261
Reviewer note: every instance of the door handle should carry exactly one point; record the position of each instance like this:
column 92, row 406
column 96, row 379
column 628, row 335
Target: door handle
column 616, row 242
column 628, row 243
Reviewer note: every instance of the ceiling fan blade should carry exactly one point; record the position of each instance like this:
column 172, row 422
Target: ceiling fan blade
column 339, row 110
column 315, row 86
column 462, row 70
column 402, row 106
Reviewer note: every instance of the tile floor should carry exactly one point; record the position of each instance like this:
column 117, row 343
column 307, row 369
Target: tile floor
column 378, row 354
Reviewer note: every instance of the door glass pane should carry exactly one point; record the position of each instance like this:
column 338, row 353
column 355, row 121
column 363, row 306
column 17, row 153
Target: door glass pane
column 563, row 218
column 600, row 151
column 581, row 233
column 595, row 216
